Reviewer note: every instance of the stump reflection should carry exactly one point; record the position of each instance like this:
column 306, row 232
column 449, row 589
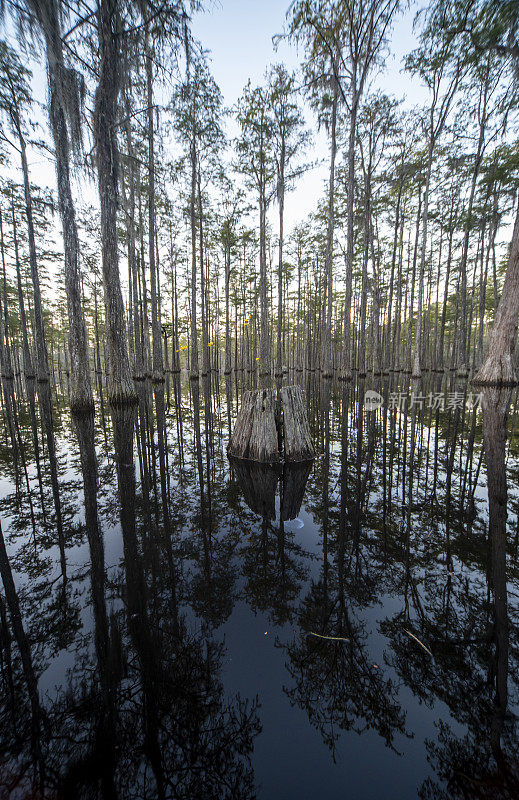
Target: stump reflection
column 259, row 484
column 294, row 479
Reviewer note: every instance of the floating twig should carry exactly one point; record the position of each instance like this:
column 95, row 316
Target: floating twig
column 333, row 638
column 418, row 640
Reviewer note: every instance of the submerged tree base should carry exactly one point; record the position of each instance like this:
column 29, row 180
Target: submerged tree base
column 498, row 372
column 477, row 381
column 271, row 429
column 82, row 407
column 121, row 398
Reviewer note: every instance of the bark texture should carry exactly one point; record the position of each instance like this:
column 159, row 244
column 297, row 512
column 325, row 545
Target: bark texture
column 61, row 89
column 326, row 356
column 499, row 367
column 120, row 384
column 267, row 433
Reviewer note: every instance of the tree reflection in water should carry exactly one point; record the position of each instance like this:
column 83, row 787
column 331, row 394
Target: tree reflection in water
column 140, row 567
column 485, row 762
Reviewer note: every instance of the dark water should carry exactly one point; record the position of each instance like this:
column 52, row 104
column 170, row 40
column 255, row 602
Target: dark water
column 344, row 629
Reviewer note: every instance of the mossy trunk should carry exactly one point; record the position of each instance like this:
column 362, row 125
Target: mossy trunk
column 81, row 397
column 120, row 384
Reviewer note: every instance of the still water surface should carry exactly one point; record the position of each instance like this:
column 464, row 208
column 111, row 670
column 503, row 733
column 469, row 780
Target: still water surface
column 347, row 628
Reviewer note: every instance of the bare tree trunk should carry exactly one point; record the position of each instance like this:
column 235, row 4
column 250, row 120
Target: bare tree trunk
column 42, row 357
column 485, row 258
column 264, row 349
column 499, row 368
column 281, row 200
column 120, row 384
column 227, row 260
column 346, row 351
column 387, row 342
column 416, row 368
column 192, row 212
column 158, row 364
column 132, row 265
column 7, row 366
column 326, row 356
column 28, row 368
column 413, row 282
column 81, row 396
column 203, row 287
column 440, row 357
column 463, row 355
column 145, row 326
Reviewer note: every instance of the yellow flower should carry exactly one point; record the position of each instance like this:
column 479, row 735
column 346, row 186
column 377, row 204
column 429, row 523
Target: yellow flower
column 257, row 358
column 210, row 344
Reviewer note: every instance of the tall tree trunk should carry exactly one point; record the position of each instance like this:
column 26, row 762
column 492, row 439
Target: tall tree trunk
column 440, row 356
column 499, row 367
column 346, row 354
column 192, row 213
column 120, row 384
column 7, row 366
column 264, row 349
column 387, row 343
column 416, row 368
column 158, row 364
column 463, row 353
column 131, row 235
column 27, row 358
column 81, row 396
column 326, row 356
column 42, row 356
column 203, row 288
column 281, row 200
column 227, row 263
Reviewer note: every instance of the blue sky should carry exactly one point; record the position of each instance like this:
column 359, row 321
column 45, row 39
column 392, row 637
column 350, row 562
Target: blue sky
column 238, row 35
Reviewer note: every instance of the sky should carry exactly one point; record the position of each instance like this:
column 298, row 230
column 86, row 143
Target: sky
column 238, row 35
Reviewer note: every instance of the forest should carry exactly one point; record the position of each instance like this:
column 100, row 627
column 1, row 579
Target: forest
column 400, row 267
column 257, row 464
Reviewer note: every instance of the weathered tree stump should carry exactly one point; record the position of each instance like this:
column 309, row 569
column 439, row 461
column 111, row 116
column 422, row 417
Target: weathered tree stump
column 269, row 430
column 297, row 441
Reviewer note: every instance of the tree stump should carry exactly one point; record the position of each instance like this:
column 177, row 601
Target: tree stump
column 269, row 430
column 296, row 431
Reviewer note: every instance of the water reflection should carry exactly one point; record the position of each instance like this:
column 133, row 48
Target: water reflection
column 485, row 762
column 162, row 619
column 259, row 486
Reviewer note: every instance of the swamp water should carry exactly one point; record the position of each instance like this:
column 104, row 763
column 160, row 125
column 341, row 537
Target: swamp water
column 342, row 629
